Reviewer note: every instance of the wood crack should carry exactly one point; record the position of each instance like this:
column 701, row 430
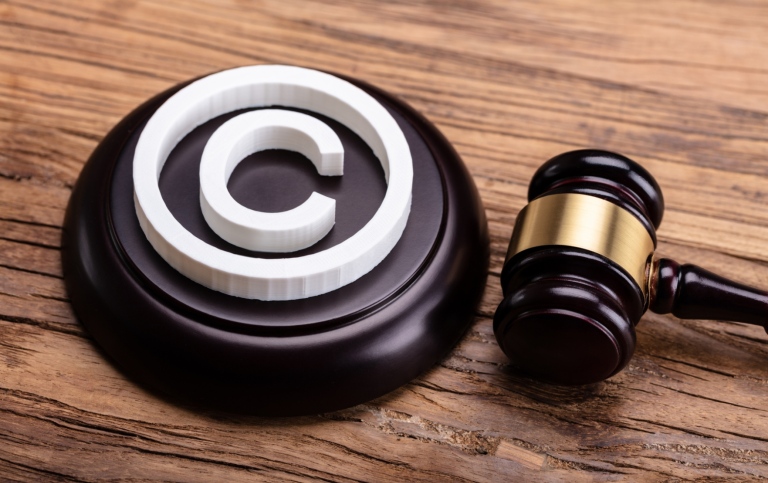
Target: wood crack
column 638, row 467
column 34, row 272
column 31, row 243
column 52, row 475
column 676, row 428
column 15, row 177
column 360, row 454
column 741, row 435
column 561, row 462
column 50, row 297
column 29, row 222
column 46, row 325
column 696, row 366
column 699, row 396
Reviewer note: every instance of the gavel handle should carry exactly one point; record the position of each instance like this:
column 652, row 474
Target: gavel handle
column 690, row 292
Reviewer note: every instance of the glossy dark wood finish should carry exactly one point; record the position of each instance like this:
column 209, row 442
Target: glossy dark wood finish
column 283, row 358
column 568, row 315
column 605, row 175
column 691, row 292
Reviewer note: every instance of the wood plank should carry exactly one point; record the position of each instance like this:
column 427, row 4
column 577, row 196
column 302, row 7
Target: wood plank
column 678, row 86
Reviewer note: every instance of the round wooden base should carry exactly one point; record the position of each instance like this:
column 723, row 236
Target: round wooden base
column 277, row 358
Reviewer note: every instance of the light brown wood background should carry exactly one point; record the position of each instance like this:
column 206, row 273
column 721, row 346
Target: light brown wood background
column 680, row 86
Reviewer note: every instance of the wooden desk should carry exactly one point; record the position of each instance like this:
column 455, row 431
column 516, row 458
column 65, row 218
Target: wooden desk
column 678, row 86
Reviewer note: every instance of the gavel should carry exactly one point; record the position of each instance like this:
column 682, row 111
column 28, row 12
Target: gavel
column 580, row 272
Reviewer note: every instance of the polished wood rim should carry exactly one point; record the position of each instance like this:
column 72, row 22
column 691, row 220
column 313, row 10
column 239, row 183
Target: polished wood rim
column 324, row 353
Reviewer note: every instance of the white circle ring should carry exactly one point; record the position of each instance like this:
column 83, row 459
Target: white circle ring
column 262, row 86
column 286, row 231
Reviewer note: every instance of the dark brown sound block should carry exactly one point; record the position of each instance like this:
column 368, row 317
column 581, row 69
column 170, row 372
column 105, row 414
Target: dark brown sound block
column 319, row 354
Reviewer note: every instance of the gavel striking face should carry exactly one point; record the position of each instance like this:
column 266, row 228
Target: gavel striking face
column 580, row 271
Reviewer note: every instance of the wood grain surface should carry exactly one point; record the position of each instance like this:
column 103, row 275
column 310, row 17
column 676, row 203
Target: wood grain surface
column 682, row 87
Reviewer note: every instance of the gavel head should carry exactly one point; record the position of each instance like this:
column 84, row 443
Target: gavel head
column 576, row 277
